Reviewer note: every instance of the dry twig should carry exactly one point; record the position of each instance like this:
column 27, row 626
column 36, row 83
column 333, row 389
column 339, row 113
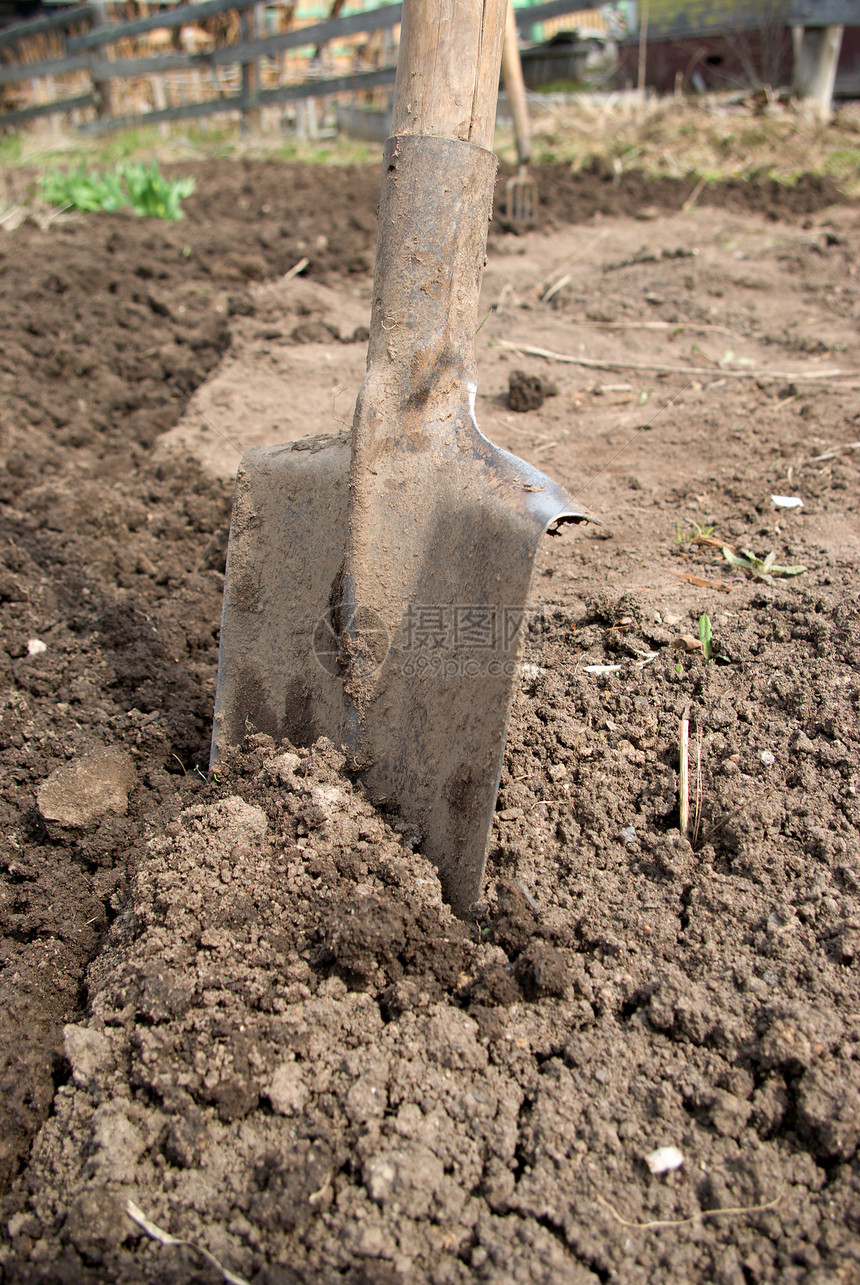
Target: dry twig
column 139, row 1218
column 554, row 289
column 733, row 1211
column 694, row 196
column 837, row 450
column 674, row 326
column 295, row 269
column 596, row 363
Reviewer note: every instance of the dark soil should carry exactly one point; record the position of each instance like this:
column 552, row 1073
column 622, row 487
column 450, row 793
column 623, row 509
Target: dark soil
column 278, row 1041
column 526, row 392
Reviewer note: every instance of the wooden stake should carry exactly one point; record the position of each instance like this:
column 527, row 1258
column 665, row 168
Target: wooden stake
column 684, row 772
column 447, row 73
column 815, row 67
column 251, row 24
column 101, row 81
column 643, row 47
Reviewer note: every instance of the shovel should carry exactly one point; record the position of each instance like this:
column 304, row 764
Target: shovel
column 377, row 581
column 520, row 191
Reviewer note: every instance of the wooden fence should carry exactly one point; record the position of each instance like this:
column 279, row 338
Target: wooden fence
column 92, row 77
column 102, row 82
column 86, row 34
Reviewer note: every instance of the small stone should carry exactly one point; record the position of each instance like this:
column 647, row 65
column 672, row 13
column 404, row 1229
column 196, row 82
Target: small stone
column 796, row 1035
column 287, row 1090
column 35, row 647
column 380, row 1178
column 531, row 673
column 330, row 798
column 284, row 765
column 115, row 1144
column 787, row 501
column 628, row 834
column 686, row 642
column 87, row 789
column 23, row 1224
column 767, row 758
column 87, row 1052
column 664, row 1160
column 510, row 814
column 728, row 1113
column 373, row 1242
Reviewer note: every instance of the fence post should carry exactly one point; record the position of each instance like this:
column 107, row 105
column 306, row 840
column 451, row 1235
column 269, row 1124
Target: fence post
column 643, row 51
column 101, row 81
column 815, row 66
column 251, row 30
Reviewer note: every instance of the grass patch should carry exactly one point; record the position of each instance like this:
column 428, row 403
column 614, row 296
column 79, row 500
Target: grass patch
column 11, row 147
column 132, row 185
column 38, row 149
column 711, row 138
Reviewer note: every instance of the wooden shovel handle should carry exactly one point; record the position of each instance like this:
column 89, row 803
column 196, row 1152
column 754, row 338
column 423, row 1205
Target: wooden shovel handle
column 512, row 74
column 448, row 70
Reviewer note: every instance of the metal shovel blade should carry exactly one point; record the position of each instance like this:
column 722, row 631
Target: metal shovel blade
column 377, row 583
column 440, row 663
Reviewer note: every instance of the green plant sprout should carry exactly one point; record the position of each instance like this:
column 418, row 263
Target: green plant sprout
column 80, row 190
column 760, row 569
column 705, row 638
column 151, row 195
column 132, row 185
column 698, row 530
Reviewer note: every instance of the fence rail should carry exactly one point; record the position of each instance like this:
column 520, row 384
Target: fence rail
column 21, row 115
column 166, row 18
column 241, row 103
column 13, row 75
column 40, row 26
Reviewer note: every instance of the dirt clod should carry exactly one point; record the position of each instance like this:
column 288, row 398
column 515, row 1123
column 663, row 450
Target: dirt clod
column 88, row 789
column 527, row 392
